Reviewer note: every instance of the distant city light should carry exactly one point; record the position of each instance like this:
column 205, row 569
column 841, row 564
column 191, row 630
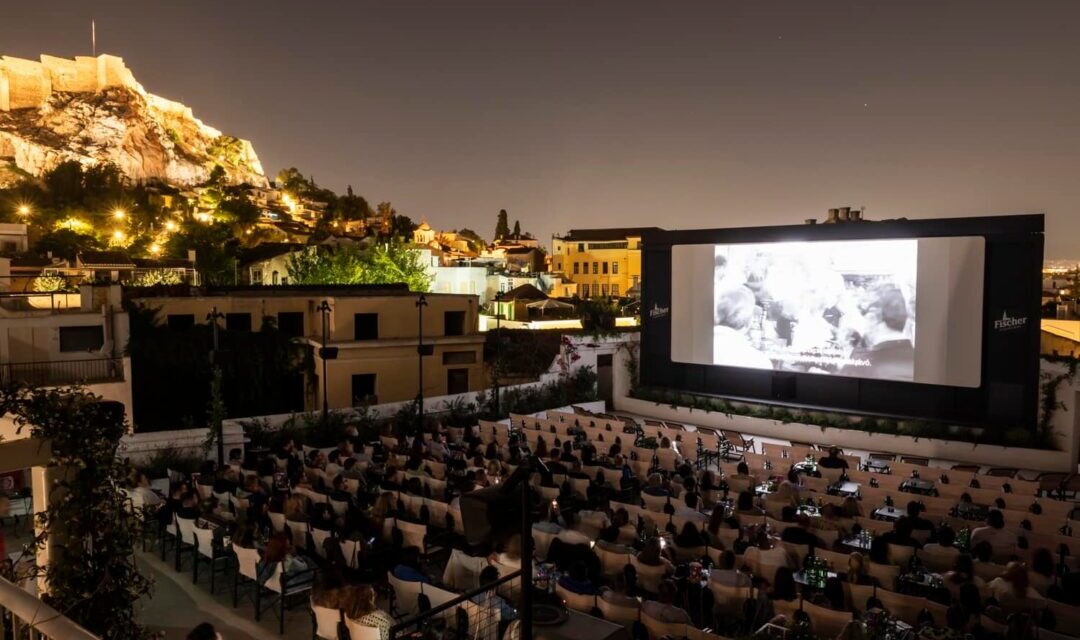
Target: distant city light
column 202, row 217
column 119, row 214
column 118, row 235
column 24, row 210
column 155, row 248
column 170, row 226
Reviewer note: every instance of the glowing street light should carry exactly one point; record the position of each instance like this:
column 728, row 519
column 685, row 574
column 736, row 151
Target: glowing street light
column 155, row 248
column 170, row 226
column 119, row 214
column 118, row 235
column 24, row 210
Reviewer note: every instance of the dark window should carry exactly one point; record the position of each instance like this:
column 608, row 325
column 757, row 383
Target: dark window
column 454, row 323
column 367, row 326
column 457, row 381
column 363, row 388
column 181, row 321
column 459, row 357
column 581, row 247
column 291, row 323
column 595, row 268
column 605, row 267
column 238, row 321
column 604, row 360
column 576, row 268
column 82, row 338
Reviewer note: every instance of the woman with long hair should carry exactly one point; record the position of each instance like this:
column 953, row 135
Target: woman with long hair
column 360, row 608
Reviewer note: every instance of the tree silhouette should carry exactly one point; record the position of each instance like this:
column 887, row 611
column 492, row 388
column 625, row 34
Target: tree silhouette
column 502, row 227
column 517, row 230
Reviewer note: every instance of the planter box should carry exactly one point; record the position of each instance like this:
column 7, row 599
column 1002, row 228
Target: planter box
column 140, row 446
column 961, row 452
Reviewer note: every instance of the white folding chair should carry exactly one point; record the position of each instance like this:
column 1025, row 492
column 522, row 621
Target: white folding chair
column 327, row 622
column 358, row 631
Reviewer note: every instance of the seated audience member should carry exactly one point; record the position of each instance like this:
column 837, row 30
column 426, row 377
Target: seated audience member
column 663, row 608
column 408, row 568
column 764, row 558
column 799, row 533
column 655, row 486
column 856, row 570
column 1042, row 570
column 782, row 586
column 689, row 509
column 746, row 505
column 491, row 599
column 900, row 535
column 915, row 519
column 652, row 554
column 689, row 537
column 962, row 573
column 279, row 549
column 577, row 580
column 833, row 460
column 943, row 545
column 1002, row 542
column 832, row 596
column 360, row 608
column 510, row 555
column 1013, row 585
column 610, row 533
column 329, row 590
column 726, row 574
column 618, row 593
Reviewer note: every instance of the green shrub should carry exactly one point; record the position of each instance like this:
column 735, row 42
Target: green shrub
column 183, row 460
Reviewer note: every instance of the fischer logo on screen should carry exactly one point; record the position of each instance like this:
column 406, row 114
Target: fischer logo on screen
column 659, row 312
column 1008, row 323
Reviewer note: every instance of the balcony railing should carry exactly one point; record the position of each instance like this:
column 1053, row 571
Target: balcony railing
column 58, row 372
column 24, row 616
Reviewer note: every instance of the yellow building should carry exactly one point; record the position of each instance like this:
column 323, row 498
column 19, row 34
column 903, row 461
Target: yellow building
column 374, row 329
column 600, row 262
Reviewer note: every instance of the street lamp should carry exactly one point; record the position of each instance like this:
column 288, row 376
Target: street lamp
column 324, row 355
column 119, row 214
column 24, row 210
column 213, row 318
column 421, row 302
column 498, row 348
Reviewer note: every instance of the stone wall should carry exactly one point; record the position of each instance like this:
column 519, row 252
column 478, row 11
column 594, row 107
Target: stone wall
column 27, row 84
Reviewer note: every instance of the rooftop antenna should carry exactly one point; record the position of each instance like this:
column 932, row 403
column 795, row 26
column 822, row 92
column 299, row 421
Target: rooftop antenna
column 93, row 37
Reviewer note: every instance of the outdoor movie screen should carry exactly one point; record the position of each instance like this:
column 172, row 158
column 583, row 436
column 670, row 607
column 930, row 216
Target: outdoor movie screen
column 905, row 309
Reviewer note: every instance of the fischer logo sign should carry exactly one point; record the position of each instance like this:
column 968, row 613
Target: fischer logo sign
column 659, row 312
column 1008, row 323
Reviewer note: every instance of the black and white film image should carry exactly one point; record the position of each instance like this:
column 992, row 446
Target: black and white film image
column 841, row 308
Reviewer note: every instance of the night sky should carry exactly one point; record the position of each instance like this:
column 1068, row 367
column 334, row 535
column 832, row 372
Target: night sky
column 621, row 113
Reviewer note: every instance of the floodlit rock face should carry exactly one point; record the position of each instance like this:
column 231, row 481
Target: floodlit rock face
column 92, row 110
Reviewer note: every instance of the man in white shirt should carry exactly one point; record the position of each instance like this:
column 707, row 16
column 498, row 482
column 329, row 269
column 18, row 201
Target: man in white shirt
column 1002, row 542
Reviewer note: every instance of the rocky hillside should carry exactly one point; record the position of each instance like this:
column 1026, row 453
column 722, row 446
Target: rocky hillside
column 144, row 135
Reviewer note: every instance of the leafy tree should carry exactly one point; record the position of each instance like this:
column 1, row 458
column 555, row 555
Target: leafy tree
column 238, row 209
column 215, row 250
column 352, row 207
column 65, row 243
column 517, row 230
column 502, row 227
column 386, row 263
column 293, row 181
column 402, row 227
column 394, row 262
column 476, row 243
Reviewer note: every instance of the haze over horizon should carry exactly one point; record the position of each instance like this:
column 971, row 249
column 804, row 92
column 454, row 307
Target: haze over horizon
column 681, row 115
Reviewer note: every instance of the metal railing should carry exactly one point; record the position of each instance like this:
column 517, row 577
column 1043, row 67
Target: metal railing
column 57, row 372
column 473, row 615
column 28, row 617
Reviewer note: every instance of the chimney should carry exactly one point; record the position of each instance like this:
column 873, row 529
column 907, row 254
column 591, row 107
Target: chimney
column 832, row 215
column 811, row 221
column 845, row 214
column 856, row 214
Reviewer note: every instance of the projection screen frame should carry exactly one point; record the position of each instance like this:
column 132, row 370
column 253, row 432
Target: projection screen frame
column 1007, row 395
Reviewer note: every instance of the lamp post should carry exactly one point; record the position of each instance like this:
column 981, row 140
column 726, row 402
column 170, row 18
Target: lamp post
column 213, row 318
column 324, row 310
column 421, row 302
column 498, row 348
